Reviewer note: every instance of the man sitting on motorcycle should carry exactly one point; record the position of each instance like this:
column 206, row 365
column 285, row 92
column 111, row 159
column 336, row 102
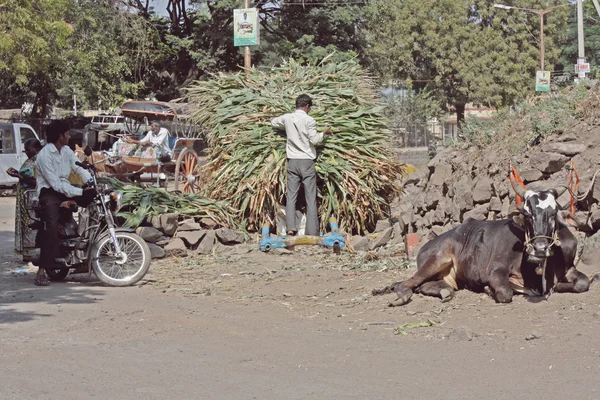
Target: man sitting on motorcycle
column 54, row 164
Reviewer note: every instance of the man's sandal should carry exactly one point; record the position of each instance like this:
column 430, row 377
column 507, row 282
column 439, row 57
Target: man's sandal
column 41, row 281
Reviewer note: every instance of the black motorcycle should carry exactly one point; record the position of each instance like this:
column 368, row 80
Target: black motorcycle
column 117, row 255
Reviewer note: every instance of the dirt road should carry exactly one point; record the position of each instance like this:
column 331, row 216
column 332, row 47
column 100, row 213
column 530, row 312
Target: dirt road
column 244, row 325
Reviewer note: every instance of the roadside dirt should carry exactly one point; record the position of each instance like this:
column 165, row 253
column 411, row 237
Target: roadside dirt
column 314, row 283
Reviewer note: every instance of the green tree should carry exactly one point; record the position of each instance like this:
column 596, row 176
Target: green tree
column 462, row 51
column 99, row 66
column 309, row 33
column 103, row 51
column 200, row 43
column 33, row 37
column 51, row 50
column 406, row 106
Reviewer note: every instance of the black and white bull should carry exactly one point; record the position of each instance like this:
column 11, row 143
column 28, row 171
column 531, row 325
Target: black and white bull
column 525, row 254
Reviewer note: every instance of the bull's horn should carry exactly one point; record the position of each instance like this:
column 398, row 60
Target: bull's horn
column 518, row 189
column 560, row 190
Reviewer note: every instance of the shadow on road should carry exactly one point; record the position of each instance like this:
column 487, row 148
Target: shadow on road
column 11, row 315
column 18, row 294
column 19, row 291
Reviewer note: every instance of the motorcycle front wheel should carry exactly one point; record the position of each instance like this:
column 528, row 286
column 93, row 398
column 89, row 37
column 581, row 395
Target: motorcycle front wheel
column 126, row 268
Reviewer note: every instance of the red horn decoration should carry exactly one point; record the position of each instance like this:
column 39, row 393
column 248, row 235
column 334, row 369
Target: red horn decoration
column 573, row 185
column 517, row 184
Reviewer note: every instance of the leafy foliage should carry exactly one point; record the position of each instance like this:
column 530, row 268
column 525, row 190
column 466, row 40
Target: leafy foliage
column 536, row 117
column 51, row 50
column 407, row 106
column 138, row 203
column 104, row 51
column 33, row 37
column 463, row 51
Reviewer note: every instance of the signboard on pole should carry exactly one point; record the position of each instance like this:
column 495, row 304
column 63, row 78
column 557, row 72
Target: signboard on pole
column 583, row 67
column 246, row 27
column 542, row 81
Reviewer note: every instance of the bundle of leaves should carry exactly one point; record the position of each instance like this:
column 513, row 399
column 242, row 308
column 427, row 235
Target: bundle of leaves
column 357, row 174
column 139, row 203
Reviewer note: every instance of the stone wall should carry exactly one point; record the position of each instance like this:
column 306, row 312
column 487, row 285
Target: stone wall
column 464, row 181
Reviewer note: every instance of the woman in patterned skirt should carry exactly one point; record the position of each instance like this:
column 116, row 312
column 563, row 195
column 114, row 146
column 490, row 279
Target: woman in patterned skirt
column 24, row 233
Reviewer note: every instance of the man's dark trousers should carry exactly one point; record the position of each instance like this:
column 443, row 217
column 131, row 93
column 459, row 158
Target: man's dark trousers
column 302, row 172
column 50, row 201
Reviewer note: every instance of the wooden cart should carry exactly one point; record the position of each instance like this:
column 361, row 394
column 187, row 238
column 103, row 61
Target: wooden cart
column 185, row 165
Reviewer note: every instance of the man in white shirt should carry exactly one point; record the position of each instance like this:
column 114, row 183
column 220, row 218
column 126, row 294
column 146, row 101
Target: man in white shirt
column 302, row 136
column 54, row 164
column 158, row 138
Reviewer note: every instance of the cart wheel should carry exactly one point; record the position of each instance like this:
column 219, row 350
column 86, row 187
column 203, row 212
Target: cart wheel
column 187, row 172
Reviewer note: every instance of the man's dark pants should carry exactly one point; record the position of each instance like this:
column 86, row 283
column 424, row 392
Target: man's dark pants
column 302, row 172
column 50, row 201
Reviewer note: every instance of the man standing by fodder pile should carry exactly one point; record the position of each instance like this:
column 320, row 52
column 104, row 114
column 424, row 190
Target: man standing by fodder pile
column 302, row 136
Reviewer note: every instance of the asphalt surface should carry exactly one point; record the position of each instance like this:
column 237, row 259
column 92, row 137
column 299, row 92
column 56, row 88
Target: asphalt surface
column 83, row 340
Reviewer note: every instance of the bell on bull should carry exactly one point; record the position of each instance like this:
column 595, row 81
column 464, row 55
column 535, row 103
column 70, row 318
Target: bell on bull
column 532, row 254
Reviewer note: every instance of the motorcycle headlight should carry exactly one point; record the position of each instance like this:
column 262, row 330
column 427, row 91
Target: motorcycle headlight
column 115, row 200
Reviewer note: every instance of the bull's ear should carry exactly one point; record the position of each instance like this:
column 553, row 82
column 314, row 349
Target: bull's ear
column 565, row 218
column 519, row 220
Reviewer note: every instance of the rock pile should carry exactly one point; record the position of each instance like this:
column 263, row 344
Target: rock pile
column 166, row 236
column 387, row 233
column 463, row 182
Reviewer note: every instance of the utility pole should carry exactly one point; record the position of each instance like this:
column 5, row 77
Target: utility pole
column 247, row 57
column 542, row 13
column 581, row 55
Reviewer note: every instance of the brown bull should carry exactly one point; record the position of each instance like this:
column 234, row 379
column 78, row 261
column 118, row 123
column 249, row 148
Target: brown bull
column 101, row 162
column 526, row 254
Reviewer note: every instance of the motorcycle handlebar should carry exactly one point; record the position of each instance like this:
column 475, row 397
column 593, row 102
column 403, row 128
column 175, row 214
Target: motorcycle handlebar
column 85, row 165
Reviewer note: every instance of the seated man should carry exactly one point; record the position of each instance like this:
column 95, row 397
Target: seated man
column 54, row 164
column 158, row 138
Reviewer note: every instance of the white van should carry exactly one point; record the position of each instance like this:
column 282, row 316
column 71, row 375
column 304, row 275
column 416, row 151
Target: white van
column 12, row 152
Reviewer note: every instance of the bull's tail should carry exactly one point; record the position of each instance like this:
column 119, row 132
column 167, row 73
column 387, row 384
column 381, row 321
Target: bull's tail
column 384, row 290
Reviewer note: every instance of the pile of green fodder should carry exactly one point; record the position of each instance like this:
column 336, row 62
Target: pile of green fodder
column 139, row 203
column 357, row 173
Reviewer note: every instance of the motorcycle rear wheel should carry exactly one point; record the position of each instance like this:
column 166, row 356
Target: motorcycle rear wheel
column 57, row 274
column 126, row 269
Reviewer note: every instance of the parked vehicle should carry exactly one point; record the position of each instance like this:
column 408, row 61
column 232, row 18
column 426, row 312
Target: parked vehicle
column 12, row 152
column 117, row 256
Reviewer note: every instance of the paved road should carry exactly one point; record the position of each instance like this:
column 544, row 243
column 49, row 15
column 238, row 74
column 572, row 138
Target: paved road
column 81, row 340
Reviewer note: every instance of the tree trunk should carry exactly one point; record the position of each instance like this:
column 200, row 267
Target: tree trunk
column 460, row 114
column 40, row 105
